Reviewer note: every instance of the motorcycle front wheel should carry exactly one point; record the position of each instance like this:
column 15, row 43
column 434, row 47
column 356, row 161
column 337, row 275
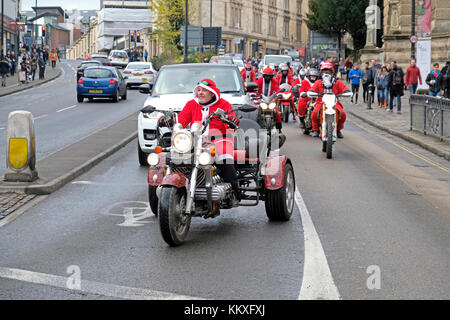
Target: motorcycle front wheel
column 153, row 199
column 173, row 222
column 286, row 114
column 329, row 140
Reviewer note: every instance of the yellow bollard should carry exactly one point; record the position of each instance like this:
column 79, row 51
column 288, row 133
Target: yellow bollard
column 21, row 148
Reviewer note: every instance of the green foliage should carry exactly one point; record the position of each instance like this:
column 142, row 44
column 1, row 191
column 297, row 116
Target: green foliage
column 337, row 17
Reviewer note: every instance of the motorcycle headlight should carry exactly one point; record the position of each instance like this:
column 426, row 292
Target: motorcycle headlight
column 272, row 105
column 153, row 159
column 204, row 159
column 286, row 96
column 264, row 106
column 182, row 142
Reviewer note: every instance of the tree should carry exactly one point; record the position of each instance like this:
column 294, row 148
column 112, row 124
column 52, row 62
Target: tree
column 337, row 17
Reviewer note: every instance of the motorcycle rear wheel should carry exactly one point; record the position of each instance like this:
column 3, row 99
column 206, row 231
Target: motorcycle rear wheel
column 173, row 222
column 280, row 203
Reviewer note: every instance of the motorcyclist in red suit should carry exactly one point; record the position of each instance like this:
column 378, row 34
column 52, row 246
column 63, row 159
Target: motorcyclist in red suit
column 311, row 76
column 268, row 86
column 284, row 76
column 338, row 87
column 248, row 74
column 207, row 100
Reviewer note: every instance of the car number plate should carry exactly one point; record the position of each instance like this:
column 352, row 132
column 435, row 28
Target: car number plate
column 144, row 79
column 95, row 91
column 138, row 74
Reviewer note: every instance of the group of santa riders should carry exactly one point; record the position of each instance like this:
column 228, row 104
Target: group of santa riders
column 307, row 80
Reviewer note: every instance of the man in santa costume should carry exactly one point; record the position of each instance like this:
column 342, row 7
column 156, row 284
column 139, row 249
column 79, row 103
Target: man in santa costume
column 268, row 86
column 207, row 100
column 248, row 74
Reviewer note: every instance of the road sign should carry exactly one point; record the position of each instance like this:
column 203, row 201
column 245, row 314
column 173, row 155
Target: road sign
column 413, row 39
column 212, row 36
column 195, row 36
column 221, row 51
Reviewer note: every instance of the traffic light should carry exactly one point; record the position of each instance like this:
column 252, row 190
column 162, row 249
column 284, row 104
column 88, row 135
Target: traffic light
column 43, row 31
column 138, row 37
column 132, row 36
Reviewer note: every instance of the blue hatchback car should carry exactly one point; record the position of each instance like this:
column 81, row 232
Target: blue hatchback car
column 101, row 82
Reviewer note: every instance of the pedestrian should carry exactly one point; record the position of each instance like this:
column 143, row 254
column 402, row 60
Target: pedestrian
column 432, row 81
column 396, row 84
column 4, row 70
column 146, row 55
column 22, row 74
column 57, row 54
column 366, row 81
column 348, row 66
column 444, row 80
column 46, row 56
column 341, row 68
column 412, row 74
column 381, row 81
column 355, row 76
column 33, row 66
column 41, row 64
column 53, row 58
column 375, row 68
column 13, row 60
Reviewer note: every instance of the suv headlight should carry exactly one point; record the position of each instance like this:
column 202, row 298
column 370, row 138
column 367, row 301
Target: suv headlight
column 182, row 142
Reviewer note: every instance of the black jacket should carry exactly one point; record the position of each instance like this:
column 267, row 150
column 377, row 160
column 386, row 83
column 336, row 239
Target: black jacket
column 433, row 87
column 441, row 83
column 4, row 67
column 396, row 89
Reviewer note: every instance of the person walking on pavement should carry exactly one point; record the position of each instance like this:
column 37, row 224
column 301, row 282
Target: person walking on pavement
column 4, row 70
column 41, row 64
column 375, row 68
column 33, row 66
column 355, row 76
column 12, row 58
column 146, row 55
column 396, row 84
column 366, row 81
column 432, row 81
column 444, row 80
column 412, row 74
column 53, row 58
column 381, row 82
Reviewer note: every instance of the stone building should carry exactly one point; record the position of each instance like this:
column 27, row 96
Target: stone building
column 397, row 25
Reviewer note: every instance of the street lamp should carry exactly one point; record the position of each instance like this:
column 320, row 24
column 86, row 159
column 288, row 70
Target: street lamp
column 413, row 27
column 3, row 29
column 186, row 23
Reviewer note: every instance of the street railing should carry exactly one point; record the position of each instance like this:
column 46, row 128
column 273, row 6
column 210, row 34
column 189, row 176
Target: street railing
column 430, row 115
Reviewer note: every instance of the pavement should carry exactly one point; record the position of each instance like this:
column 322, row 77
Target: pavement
column 397, row 124
column 13, row 85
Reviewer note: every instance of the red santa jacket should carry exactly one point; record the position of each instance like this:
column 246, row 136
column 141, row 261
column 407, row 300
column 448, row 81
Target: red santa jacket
column 290, row 79
column 192, row 112
column 274, row 87
column 338, row 88
column 305, row 86
column 252, row 75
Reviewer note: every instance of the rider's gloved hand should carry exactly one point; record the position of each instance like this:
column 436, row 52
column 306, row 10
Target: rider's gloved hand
column 236, row 121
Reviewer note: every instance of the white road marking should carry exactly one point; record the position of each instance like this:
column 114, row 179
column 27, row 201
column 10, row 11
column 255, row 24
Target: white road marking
column 71, row 107
column 40, row 117
column 91, row 287
column 317, row 281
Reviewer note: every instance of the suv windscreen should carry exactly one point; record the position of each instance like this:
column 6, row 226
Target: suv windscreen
column 276, row 60
column 221, row 60
column 98, row 73
column 101, row 59
column 183, row 80
column 138, row 66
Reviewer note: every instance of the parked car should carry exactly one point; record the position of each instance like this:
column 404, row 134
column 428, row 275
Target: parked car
column 85, row 64
column 101, row 82
column 118, row 58
column 137, row 73
column 173, row 89
column 102, row 58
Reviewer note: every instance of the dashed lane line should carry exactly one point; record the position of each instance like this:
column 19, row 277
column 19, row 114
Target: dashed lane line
column 317, row 283
column 68, row 108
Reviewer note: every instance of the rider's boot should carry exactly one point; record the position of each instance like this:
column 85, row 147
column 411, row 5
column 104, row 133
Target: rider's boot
column 340, row 135
column 302, row 122
column 228, row 174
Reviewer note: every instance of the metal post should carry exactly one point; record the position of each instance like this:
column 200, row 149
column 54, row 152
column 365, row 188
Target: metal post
column 413, row 27
column 442, row 124
column 210, row 13
column 3, row 29
column 186, row 23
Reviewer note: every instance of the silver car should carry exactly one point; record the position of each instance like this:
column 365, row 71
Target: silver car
column 137, row 73
column 173, row 89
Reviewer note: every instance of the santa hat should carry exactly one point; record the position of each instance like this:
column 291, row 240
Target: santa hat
column 209, row 85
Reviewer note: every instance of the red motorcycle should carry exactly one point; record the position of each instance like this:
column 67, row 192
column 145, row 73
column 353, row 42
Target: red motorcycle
column 285, row 102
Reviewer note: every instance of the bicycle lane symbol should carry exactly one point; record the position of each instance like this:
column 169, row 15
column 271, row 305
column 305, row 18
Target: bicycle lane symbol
column 134, row 213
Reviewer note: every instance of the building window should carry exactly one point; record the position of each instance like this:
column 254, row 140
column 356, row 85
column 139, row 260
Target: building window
column 286, row 5
column 286, row 29
column 299, row 7
column 272, row 25
column 257, row 22
column 299, row 31
column 236, row 14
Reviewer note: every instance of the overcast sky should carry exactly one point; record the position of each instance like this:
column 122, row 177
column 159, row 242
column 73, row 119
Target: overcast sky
column 65, row 4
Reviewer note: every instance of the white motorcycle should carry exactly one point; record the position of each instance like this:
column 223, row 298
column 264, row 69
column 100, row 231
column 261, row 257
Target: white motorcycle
column 328, row 118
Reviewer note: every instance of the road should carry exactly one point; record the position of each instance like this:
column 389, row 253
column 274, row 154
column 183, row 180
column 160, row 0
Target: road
column 372, row 223
column 59, row 119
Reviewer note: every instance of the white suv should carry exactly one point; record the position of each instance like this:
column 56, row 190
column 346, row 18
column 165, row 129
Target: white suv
column 174, row 87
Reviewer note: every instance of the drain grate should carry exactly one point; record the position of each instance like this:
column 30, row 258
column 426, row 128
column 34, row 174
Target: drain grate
column 11, row 201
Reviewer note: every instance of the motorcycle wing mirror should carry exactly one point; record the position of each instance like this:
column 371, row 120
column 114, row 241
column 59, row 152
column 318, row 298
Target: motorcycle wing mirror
column 247, row 108
column 312, row 94
column 347, row 94
column 145, row 88
column 251, row 87
column 148, row 109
